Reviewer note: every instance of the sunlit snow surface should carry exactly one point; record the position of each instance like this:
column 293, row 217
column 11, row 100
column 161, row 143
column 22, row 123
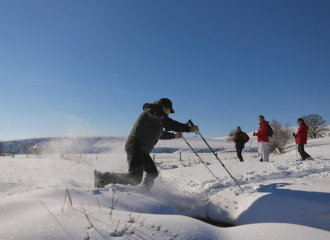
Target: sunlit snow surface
column 283, row 199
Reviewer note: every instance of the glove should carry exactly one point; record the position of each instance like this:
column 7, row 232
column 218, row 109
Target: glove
column 254, row 133
column 294, row 134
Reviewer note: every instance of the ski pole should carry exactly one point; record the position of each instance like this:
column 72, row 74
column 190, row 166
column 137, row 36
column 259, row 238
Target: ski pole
column 200, row 159
column 249, row 146
column 191, row 123
column 250, row 143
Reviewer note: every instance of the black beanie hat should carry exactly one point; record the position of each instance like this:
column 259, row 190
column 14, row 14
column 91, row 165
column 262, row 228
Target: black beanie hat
column 167, row 103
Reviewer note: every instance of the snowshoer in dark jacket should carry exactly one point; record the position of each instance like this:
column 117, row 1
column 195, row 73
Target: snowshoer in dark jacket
column 301, row 138
column 240, row 138
column 148, row 128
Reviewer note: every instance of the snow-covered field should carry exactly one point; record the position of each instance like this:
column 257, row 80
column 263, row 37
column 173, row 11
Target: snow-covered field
column 283, row 199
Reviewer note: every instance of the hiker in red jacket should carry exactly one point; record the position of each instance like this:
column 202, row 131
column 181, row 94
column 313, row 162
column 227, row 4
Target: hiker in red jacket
column 263, row 139
column 240, row 138
column 301, row 138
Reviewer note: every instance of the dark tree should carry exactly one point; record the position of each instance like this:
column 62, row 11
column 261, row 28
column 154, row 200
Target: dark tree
column 281, row 137
column 27, row 148
column 230, row 137
column 1, row 148
column 316, row 124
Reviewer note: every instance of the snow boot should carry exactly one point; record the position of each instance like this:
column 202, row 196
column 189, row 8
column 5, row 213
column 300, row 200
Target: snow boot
column 98, row 180
column 261, row 160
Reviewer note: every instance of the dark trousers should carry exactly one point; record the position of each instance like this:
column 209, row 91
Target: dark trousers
column 138, row 161
column 239, row 153
column 301, row 150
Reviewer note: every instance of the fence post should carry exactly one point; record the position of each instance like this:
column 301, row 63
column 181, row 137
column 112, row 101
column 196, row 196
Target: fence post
column 180, row 156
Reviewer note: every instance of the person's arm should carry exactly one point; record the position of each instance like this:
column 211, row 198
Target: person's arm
column 262, row 130
column 170, row 124
column 234, row 138
column 246, row 137
column 167, row 136
column 298, row 133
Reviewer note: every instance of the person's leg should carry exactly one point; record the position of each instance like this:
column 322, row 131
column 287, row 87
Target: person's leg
column 239, row 153
column 301, row 151
column 135, row 167
column 135, row 170
column 265, row 151
column 260, row 152
column 151, row 170
column 306, row 155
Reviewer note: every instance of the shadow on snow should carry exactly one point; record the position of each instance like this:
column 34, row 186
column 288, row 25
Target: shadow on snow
column 289, row 206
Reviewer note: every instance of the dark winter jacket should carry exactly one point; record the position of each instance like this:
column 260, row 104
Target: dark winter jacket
column 302, row 134
column 262, row 133
column 149, row 126
column 240, row 138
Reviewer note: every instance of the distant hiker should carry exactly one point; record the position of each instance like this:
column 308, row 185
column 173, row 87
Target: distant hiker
column 148, row 128
column 263, row 139
column 301, row 138
column 240, row 138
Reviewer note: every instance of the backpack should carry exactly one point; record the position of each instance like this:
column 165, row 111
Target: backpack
column 270, row 131
column 247, row 138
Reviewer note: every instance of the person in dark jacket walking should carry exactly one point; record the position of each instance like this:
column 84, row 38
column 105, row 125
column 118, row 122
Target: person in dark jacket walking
column 240, row 138
column 263, row 139
column 148, row 128
column 301, row 138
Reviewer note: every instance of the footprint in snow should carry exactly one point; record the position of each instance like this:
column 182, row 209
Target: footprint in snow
column 96, row 191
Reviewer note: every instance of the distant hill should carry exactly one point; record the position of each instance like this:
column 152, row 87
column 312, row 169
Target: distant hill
column 116, row 144
column 105, row 144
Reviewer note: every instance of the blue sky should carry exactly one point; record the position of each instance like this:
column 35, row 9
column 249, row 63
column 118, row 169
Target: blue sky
column 87, row 67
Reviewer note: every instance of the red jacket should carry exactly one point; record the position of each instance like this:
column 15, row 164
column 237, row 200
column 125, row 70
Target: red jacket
column 262, row 133
column 302, row 134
